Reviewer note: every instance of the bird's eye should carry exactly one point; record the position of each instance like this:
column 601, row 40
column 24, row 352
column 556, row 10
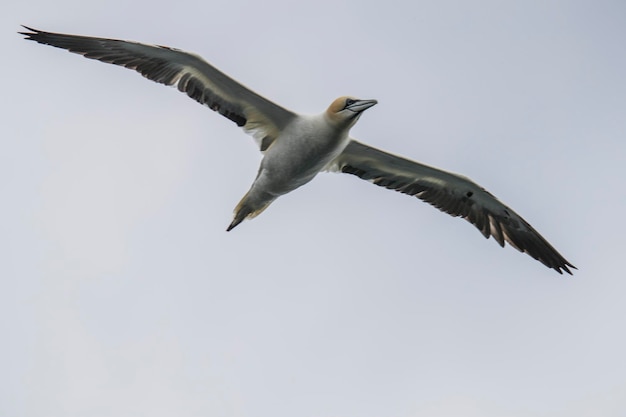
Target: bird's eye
column 350, row 102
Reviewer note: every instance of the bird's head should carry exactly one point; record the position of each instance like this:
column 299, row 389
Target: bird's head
column 347, row 110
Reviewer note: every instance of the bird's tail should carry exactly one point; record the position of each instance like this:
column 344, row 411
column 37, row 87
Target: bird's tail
column 248, row 208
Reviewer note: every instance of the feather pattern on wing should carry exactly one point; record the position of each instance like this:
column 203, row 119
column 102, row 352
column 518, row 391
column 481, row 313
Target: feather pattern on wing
column 450, row 193
column 188, row 72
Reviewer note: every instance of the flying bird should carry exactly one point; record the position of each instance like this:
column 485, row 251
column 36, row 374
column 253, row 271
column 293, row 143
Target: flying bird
column 297, row 147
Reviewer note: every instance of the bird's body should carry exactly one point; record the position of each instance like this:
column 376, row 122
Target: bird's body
column 302, row 150
column 297, row 147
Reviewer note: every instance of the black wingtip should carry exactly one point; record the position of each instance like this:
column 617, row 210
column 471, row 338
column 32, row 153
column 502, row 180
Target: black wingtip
column 566, row 269
column 32, row 31
column 31, row 34
column 563, row 266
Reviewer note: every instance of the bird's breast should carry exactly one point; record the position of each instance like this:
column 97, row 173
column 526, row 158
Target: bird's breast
column 301, row 151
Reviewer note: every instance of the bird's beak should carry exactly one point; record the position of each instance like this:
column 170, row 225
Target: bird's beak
column 361, row 105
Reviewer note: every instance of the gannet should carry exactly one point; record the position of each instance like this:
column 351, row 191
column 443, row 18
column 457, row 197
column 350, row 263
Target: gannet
column 297, row 147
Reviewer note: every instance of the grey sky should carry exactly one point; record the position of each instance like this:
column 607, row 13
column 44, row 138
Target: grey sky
column 122, row 295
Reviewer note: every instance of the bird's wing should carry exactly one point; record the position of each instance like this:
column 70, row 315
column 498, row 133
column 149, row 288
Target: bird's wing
column 451, row 193
column 188, row 72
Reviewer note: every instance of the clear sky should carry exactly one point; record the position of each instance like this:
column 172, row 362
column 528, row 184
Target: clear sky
column 122, row 295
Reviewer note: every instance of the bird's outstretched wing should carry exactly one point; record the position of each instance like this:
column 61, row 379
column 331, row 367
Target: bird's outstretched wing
column 451, row 193
column 188, row 72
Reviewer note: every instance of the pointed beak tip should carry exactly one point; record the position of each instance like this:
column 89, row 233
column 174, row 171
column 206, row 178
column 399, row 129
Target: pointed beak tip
column 369, row 103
